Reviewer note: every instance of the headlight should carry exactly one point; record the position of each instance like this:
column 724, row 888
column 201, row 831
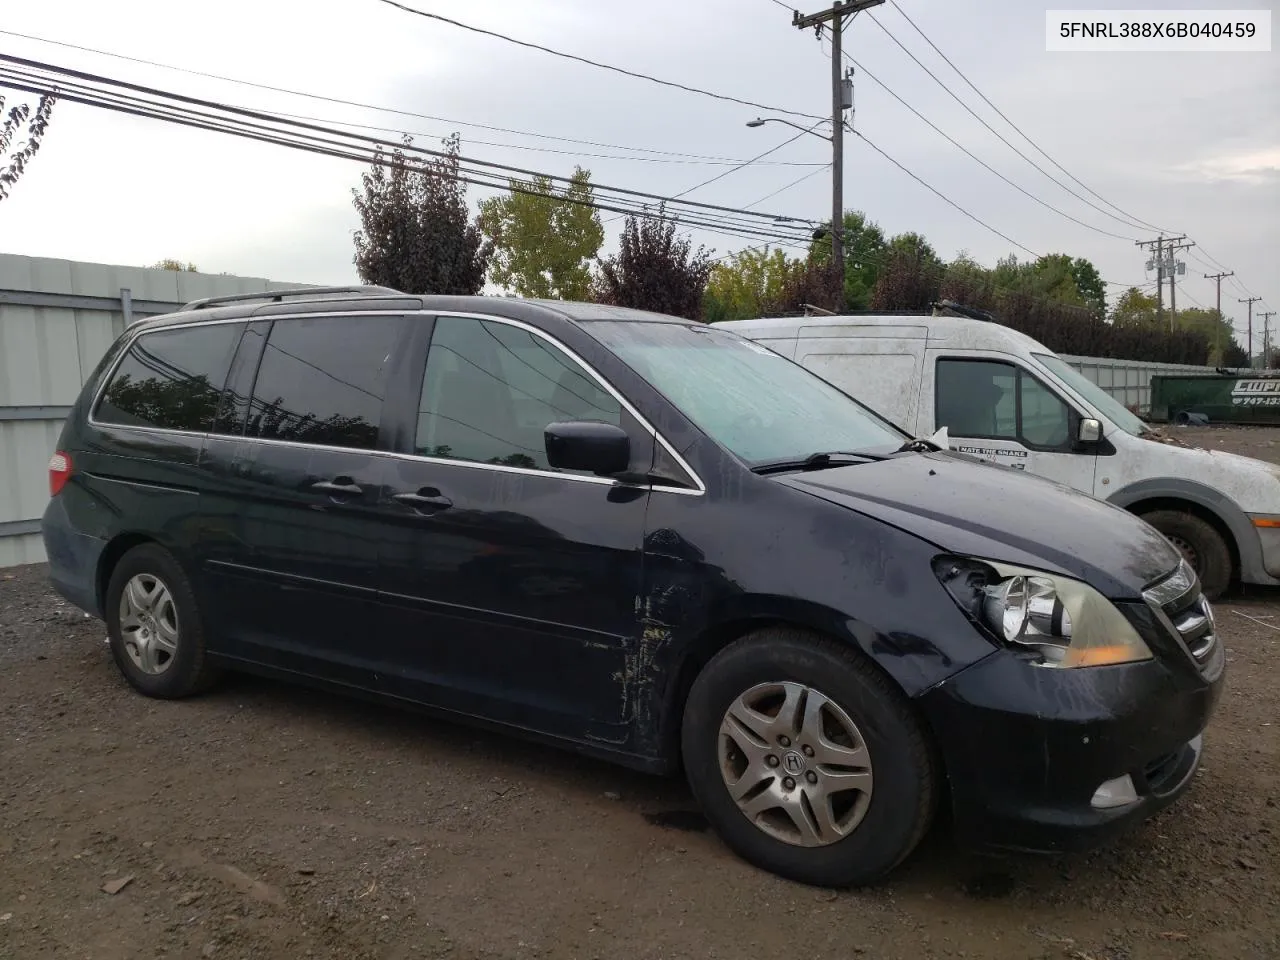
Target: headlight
column 1063, row 622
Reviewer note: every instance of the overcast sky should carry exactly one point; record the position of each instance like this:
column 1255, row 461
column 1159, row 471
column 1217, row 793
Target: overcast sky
column 1187, row 141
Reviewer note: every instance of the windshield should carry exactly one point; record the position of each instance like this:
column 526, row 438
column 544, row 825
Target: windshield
column 1107, row 405
column 754, row 402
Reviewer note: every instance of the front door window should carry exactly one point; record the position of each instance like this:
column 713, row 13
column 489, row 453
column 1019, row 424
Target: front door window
column 491, row 389
column 990, row 399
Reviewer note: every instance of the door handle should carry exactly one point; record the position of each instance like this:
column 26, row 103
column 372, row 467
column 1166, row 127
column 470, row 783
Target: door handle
column 428, row 498
column 339, row 487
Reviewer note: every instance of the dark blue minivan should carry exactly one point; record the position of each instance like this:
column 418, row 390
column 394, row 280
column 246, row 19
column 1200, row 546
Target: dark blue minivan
column 646, row 539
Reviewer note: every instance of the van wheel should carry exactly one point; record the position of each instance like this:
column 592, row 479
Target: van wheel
column 806, row 760
column 1201, row 546
column 157, row 638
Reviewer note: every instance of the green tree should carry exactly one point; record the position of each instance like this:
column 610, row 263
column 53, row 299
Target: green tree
column 967, row 282
column 1215, row 327
column 864, row 255
column 750, row 283
column 1134, row 309
column 416, row 234
column 1056, row 276
column 1089, row 285
column 168, row 263
column 655, row 270
column 15, row 157
column 911, row 277
column 544, row 239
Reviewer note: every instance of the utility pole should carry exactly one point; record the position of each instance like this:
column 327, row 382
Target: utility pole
column 1266, row 338
column 1250, row 301
column 1158, row 264
column 1174, row 269
column 1219, row 277
column 840, row 93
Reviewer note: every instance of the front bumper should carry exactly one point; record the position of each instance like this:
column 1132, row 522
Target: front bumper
column 1026, row 747
column 1267, row 529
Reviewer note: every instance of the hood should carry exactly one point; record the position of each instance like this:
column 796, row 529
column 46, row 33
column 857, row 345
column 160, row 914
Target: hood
column 996, row 513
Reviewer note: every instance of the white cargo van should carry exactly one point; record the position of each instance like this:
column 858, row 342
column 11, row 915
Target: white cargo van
column 1003, row 397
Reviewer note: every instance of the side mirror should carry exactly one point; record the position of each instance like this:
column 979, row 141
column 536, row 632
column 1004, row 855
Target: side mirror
column 600, row 448
column 1090, row 431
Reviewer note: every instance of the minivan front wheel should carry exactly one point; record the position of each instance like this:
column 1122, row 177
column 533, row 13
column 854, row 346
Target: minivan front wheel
column 807, row 760
column 153, row 622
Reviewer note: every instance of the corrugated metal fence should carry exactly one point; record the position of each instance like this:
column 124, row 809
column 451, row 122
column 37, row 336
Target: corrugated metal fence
column 57, row 318
column 1129, row 381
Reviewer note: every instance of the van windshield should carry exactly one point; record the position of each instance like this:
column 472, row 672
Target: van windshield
column 757, row 403
column 1107, row 405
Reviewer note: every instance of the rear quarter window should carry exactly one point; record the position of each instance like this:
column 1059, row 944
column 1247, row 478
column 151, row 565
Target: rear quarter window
column 170, row 379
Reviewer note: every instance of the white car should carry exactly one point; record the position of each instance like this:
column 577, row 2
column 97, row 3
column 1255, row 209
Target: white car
column 996, row 394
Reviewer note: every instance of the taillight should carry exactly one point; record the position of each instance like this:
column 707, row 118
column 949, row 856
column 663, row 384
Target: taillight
column 59, row 472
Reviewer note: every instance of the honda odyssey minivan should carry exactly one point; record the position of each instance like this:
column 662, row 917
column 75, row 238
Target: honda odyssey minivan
column 645, row 539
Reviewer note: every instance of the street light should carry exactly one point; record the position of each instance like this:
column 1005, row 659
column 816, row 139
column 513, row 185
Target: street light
column 761, row 121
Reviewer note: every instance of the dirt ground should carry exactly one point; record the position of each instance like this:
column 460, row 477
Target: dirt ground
column 266, row 821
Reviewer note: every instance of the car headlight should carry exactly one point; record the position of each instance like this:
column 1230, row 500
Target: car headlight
column 1063, row 622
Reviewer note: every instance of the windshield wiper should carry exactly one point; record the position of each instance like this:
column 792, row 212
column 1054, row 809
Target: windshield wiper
column 816, row 461
column 918, row 445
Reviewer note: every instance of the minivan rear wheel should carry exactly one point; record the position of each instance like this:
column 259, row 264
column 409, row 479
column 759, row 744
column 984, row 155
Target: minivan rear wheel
column 807, row 760
column 154, row 625
column 1200, row 545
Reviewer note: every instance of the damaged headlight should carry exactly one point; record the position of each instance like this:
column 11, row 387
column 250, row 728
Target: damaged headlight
column 1061, row 621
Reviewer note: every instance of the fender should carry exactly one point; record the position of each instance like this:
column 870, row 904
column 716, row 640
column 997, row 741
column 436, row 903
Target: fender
column 1248, row 546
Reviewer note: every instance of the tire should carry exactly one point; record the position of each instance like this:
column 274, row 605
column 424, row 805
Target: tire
column 881, row 825
column 159, row 648
column 1200, row 544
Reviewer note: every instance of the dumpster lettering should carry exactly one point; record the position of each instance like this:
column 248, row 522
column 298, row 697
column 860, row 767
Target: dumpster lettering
column 1256, row 393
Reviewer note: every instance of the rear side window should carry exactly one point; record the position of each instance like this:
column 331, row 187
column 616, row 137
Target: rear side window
column 170, row 379
column 322, row 380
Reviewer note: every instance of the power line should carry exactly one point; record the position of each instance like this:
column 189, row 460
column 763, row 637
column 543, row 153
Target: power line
column 965, row 150
column 578, row 154
column 892, row 93
column 770, row 196
column 370, row 106
column 1003, row 117
column 733, row 253
column 725, row 173
column 943, row 196
column 313, row 138
column 61, row 74
column 747, row 163
column 997, row 133
column 592, row 63
column 1219, row 265
column 257, row 125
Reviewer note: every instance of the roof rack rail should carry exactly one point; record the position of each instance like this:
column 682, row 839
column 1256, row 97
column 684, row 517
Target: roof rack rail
column 278, row 296
column 973, row 313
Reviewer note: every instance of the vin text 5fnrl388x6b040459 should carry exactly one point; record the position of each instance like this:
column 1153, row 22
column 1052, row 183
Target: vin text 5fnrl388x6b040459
column 646, row 539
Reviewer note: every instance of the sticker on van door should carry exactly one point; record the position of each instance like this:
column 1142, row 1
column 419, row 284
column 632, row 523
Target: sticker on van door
column 1005, row 456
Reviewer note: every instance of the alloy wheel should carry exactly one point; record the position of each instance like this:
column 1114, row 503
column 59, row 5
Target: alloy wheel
column 795, row 763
